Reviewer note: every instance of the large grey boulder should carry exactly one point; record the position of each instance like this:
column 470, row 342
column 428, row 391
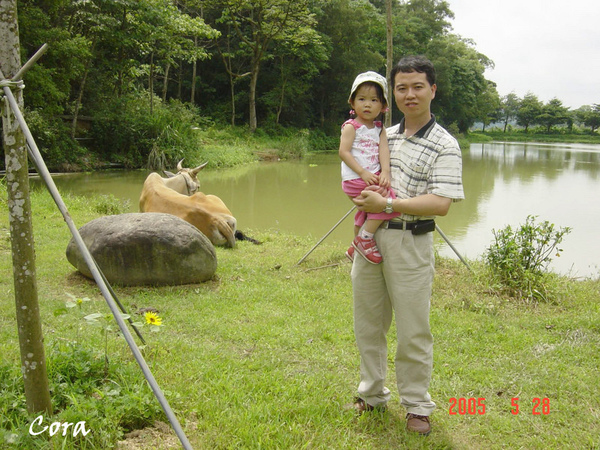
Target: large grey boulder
column 145, row 249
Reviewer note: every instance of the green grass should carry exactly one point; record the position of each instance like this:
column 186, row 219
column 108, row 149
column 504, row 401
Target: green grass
column 534, row 135
column 263, row 356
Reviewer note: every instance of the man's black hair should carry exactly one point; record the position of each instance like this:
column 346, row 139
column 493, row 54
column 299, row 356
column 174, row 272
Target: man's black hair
column 414, row 63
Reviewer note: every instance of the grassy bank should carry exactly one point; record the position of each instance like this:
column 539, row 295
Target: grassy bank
column 263, row 356
column 532, row 136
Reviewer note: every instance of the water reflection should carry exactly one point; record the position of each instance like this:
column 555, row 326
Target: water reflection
column 504, row 182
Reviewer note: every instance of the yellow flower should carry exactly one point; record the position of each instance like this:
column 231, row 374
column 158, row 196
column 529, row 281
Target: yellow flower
column 152, row 319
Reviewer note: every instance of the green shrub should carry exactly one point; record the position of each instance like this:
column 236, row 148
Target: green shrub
column 321, row 142
column 518, row 258
column 109, row 205
column 53, row 138
column 294, row 146
column 128, row 131
column 111, row 400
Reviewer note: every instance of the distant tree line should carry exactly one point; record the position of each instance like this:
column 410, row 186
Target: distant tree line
column 134, row 71
column 529, row 111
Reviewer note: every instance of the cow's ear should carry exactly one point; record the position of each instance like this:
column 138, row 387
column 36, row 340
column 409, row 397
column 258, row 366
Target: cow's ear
column 169, row 174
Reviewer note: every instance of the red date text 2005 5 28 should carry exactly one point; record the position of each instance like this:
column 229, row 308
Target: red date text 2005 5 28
column 473, row 406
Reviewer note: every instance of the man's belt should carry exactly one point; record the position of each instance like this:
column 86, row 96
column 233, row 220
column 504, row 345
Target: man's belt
column 416, row 227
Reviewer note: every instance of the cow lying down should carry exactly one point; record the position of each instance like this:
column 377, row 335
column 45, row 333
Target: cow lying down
column 178, row 195
column 208, row 213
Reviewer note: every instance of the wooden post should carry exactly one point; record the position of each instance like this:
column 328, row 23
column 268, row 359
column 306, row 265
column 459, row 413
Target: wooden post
column 33, row 358
column 389, row 61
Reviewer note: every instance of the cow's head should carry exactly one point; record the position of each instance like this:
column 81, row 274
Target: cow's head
column 188, row 183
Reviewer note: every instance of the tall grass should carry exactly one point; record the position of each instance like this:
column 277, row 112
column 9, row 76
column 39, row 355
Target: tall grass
column 263, row 355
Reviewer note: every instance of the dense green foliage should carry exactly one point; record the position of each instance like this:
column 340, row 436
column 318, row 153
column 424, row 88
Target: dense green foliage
column 112, row 66
column 127, row 81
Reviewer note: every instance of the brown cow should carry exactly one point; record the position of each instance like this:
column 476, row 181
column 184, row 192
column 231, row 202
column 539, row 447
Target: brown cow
column 208, row 213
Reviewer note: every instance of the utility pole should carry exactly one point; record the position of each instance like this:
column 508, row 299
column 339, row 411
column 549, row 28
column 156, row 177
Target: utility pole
column 33, row 357
column 389, row 60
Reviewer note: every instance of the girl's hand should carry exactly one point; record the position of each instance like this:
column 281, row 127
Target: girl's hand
column 369, row 178
column 385, row 180
column 379, row 189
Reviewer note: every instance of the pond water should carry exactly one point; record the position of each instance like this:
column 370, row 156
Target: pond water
column 504, row 183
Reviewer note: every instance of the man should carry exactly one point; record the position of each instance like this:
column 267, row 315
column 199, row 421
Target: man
column 426, row 171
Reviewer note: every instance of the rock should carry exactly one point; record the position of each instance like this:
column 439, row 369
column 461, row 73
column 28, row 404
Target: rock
column 145, row 249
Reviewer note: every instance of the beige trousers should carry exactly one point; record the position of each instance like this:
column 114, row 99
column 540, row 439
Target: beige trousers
column 400, row 285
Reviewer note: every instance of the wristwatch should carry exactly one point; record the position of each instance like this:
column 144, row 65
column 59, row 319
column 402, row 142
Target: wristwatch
column 388, row 206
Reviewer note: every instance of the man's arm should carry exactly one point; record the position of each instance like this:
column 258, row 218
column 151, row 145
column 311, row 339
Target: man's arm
column 422, row 205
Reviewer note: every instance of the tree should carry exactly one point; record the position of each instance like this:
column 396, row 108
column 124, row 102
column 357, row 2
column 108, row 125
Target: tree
column 295, row 64
column 593, row 118
column 33, row 357
column 349, row 30
column 589, row 116
column 460, row 69
column 167, row 35
column 489, row 105
column 53, row 22
column 509, row 107
column 234, row 62
column 553, row 113
column 257, row 23
column 529, row 111
column 423, row 27
column 420, row 24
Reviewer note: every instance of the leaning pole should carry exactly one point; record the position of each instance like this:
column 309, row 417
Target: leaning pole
column 33, row 357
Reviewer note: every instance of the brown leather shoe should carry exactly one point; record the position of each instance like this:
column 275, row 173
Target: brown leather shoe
column 360, row 406
column 418, row 424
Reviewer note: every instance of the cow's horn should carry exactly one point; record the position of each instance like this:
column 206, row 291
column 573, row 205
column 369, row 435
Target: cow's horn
column 179, row 166
column 199, row 168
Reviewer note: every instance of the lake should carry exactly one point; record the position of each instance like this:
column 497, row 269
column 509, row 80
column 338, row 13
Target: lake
column 504, row 182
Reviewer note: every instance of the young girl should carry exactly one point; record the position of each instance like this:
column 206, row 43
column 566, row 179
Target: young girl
column 366, row 158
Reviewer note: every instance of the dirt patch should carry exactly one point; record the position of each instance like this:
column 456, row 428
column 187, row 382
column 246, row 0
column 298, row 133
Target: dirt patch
column 158, row 437
column 268, row 155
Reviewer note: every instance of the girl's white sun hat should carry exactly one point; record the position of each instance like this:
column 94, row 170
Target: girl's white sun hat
column 373, row 77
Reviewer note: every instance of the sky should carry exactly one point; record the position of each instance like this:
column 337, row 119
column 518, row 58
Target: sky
column 550, row 48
